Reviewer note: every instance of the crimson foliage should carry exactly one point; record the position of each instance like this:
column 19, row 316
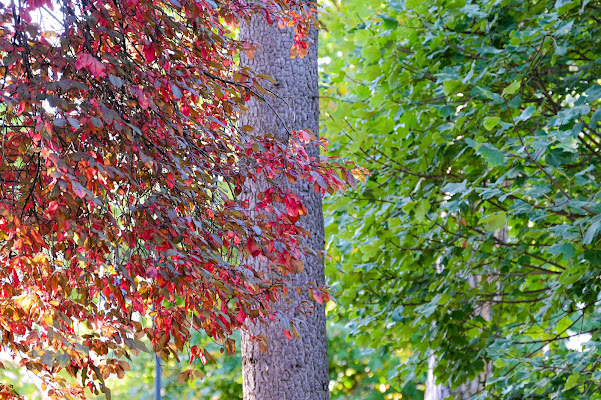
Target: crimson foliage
column 121, row 166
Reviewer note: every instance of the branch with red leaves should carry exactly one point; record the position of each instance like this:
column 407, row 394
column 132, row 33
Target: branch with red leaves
column 120, row 170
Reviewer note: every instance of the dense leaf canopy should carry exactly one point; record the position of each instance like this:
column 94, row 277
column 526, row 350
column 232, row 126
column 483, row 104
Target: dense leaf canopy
column 120, row 171
column 472, row 116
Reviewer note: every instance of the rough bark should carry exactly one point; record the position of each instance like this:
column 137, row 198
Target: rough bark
column 289, row 369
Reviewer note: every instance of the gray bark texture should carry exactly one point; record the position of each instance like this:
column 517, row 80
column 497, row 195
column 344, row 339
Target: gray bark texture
column 289, row 369
column 435, row 391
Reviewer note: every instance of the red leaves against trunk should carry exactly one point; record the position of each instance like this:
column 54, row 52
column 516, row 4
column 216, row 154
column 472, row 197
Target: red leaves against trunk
column 120, row 171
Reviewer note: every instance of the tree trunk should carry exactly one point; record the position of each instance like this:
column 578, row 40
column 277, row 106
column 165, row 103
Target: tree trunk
column 289, row 369
column 435, row 391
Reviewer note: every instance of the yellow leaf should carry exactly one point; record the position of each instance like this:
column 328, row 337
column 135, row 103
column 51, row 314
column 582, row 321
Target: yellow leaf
column 359, row 174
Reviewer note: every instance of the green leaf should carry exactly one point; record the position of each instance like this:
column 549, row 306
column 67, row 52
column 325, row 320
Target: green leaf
column 446, row 111
column 567, row 278
column 421, row 209
column 494, row 222
column 429, row 308
column 566, row 249
column 571, row 113
column 454, row 187
column 389, row 22
column 593, row 93
column 596, row 117
column 591, row 232
column 562, row 6
column 526, row 114
column 572, row 381
column 491, row 122
column 450, row 87
column 511, row 89
column 397, row 314
column 563, row 325
column 491, row 154
column 371, row 53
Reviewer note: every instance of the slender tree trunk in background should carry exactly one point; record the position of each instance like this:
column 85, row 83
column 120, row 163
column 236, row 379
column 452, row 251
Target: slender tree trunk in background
column 157, row 378
column 289, row 369
column 466, row 390
column 473, row 387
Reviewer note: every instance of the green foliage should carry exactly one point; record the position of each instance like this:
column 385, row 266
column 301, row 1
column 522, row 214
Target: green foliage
column 471, row 116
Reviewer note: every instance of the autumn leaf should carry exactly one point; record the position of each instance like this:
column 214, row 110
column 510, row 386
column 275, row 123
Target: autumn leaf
column 95, row 66
column 149, row 53
column 78, row 189
column 253, row 247
column 241, row 317
column 183, row 377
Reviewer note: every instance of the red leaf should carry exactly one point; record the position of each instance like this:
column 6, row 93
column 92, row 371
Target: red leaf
column 185, row 109
column 78, row 189
column 241, row 317
column 52, row 207
column 83, row 61
column 149, row 53
column 152, row 272
column 350, row 179
column 142, row 98
column 291, row 207
column 95, row 66
column 304, row 136
column 252, row 246
column 170, row 181
column 294, row 207
column 202, row 357
column 318, row 296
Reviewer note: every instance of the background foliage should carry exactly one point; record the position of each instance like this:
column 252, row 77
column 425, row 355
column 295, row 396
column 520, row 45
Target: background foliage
column 472, row 116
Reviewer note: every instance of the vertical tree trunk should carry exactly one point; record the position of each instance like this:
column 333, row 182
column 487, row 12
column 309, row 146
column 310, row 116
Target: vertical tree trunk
column 289, row 369
column 435, row 391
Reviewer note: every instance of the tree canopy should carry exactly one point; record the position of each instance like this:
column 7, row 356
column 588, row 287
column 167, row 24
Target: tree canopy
column 121, row 167
column 472, row 116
